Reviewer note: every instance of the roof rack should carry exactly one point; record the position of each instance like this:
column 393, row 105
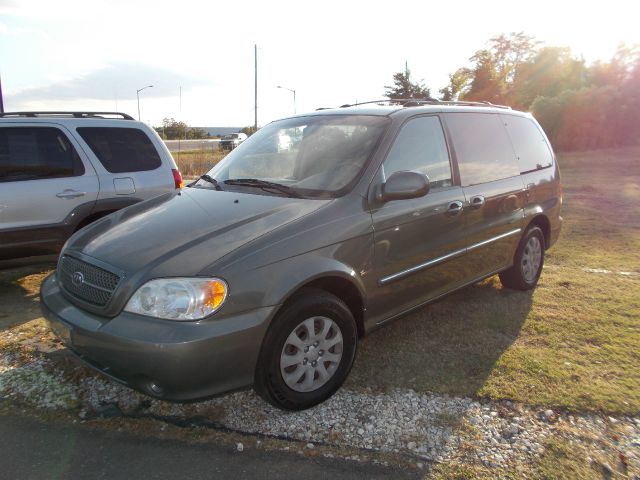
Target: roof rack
column 416, row 102
column 124, row 116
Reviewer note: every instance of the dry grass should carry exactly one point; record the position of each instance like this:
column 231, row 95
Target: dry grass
column 197, row 162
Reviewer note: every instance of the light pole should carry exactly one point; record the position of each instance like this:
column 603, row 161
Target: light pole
column 138, row 96
column 294, row 96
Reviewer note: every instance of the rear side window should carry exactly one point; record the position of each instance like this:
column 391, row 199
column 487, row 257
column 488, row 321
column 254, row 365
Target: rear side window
column 482, row 146
column 121, row 149
column 530, row 145
column 420, row 147
column 31, row 153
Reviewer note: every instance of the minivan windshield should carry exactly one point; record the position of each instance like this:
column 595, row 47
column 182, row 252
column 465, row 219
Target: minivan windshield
column 315, row 156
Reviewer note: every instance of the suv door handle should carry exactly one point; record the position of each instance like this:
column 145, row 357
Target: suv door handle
column 477, row 201
column 454, row 208
column 70, row 194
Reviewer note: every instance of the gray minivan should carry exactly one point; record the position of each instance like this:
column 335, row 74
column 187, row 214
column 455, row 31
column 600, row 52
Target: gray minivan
column 268, row 270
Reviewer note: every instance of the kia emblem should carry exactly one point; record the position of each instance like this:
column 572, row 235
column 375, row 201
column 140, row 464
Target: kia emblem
column 77, row 278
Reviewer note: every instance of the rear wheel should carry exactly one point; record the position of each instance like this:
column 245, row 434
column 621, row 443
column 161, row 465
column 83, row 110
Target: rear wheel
column 307, row 352
column 527, row 262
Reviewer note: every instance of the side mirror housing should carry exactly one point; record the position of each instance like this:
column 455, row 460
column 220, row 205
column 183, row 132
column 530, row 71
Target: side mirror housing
column 403, row 185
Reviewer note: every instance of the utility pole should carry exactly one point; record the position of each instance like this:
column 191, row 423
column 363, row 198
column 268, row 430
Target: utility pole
column 255, row 60
column 1, row 101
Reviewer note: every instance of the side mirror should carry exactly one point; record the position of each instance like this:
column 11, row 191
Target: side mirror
column 403, row 185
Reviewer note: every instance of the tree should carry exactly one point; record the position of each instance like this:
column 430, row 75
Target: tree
column 494, row 70
column 172, row 129
column 196, row 133
column 550, row 72
column 248, row 131
column 484, row 82
column 403, row 87
column 457, row 82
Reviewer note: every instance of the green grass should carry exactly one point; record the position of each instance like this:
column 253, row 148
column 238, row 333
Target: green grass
column 574, row 342
column 562, row 460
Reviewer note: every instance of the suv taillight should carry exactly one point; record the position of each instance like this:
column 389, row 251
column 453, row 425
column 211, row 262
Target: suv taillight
column 177, row 177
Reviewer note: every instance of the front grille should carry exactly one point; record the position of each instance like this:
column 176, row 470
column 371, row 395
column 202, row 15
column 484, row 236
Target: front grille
column 87, row 282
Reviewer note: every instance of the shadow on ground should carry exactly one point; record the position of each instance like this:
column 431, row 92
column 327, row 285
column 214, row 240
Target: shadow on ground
column 450, row 346
column 19, row 289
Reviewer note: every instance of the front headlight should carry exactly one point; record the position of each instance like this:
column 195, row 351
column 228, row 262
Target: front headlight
column 179, row 298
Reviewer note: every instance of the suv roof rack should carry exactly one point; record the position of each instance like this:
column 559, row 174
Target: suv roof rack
column 416, row 102
column 124, row 116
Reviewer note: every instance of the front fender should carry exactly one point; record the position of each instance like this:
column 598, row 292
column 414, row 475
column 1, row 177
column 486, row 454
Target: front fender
column 273, row 284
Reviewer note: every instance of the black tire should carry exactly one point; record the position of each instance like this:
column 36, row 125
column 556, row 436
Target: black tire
column 518, row 277
column 269, row 382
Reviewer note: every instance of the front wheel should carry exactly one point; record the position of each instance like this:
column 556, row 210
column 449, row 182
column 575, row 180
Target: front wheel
column 307, row 352
column 527, row 262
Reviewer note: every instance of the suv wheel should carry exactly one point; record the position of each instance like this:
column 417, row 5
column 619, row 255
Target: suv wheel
column 527, row 263
column 307, row 352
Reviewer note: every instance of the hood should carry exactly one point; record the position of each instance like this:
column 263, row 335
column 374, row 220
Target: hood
column 181, row 233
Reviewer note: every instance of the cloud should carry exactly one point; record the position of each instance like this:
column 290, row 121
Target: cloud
column 119, row 80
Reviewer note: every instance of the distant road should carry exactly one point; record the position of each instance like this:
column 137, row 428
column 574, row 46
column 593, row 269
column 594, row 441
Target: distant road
column 186, row 145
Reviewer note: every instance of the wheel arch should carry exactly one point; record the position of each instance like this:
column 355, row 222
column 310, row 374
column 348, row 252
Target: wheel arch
column 541, row 221
column 92, row 218
column 342, row 286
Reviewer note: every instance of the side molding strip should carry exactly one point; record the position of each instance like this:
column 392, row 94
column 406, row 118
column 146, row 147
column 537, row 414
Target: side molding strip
column 397, row 276
column 436, row 261
column 494, row 239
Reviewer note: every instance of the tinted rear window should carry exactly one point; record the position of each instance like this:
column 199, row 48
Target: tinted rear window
column 482, row 146
column 530, row 145
column 29, row 153
column 121, row 149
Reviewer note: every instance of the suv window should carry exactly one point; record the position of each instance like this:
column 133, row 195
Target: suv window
column 29, row 153
column 483, row 148
column 421, row 147
column 529, row 143
column 121, row 149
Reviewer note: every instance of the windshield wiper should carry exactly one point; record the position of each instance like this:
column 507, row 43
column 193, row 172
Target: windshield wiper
column 263, row 184
column 209, row 179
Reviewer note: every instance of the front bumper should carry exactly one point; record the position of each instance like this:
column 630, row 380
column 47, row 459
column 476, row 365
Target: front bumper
column 171, row 360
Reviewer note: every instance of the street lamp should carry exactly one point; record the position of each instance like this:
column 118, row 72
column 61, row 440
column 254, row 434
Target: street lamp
column 294, row 96
column 138, row 96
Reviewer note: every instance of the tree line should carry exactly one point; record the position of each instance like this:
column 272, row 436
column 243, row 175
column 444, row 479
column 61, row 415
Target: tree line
column 579, row 106
column 172, row 129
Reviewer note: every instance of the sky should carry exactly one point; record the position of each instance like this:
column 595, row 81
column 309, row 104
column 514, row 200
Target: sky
column 199, row 56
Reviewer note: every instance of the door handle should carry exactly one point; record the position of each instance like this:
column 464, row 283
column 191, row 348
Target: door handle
column 70, row 194
column 477, row 201
column 527, row 190
column 454, row 208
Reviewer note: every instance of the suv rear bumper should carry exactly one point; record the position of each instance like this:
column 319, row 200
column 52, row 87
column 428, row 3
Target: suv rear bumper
column 171, row 360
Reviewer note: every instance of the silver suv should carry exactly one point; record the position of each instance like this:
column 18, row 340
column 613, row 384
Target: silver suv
column 59, row 171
